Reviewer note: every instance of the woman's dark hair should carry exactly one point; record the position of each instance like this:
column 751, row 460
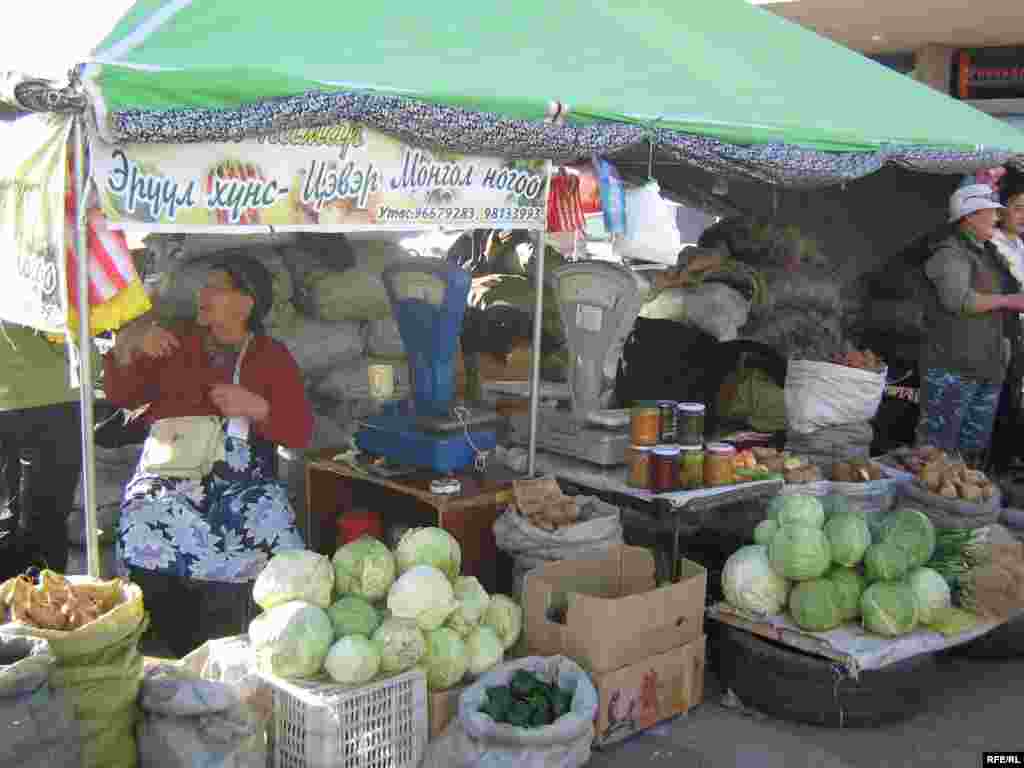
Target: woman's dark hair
column 1011, row 185
column 251, row 278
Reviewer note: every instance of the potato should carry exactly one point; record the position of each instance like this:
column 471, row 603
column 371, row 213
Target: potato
column 842, row 472
column 931, row 477
column 762, row 452
column 948, row 490
column 874, row 470
column 970, row 492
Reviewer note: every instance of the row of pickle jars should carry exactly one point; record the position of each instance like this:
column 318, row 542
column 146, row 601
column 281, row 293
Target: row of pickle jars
column 668, row 451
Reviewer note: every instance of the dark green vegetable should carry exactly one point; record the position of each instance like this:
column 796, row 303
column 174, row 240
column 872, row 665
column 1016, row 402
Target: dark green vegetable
column 526, row 702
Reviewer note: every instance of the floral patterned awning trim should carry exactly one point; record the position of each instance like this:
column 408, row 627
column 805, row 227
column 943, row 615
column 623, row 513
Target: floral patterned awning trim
column 455, row 129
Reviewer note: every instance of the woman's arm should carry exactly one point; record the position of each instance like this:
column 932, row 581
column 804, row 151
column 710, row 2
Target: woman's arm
column 289, row 420
column 951, row 275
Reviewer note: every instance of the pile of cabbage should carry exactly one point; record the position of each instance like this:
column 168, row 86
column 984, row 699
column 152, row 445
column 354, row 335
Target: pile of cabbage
column 369, row 613
column 817, row 557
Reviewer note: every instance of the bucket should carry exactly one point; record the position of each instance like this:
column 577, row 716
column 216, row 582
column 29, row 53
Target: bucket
column 359, row 522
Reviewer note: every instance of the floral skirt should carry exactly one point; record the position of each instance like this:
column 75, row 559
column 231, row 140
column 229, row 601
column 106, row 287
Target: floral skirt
column 222, row 528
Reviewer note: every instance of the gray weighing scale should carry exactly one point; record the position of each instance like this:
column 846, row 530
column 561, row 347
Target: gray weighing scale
column 599, row 303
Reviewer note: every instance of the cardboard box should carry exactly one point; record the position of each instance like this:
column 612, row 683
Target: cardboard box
column 614, row 614
column 639, row 696
column 442, row 708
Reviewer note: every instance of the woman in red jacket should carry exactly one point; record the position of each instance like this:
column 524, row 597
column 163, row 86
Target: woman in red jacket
column 195, row 546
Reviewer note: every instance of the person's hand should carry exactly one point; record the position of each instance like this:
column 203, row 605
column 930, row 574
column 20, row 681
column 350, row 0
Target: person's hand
column 1014, row 302
column 159, row 342
column 235, row 400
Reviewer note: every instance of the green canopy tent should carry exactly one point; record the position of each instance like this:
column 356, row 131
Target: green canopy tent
column 729, row 89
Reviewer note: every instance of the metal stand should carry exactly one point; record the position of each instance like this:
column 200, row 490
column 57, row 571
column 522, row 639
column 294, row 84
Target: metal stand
column 85, row 376
column 538, row 324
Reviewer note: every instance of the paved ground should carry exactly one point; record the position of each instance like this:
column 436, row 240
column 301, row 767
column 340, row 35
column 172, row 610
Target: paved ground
column 979, row 707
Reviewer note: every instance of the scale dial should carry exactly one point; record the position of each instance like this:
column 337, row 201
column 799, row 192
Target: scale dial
column 420, row 286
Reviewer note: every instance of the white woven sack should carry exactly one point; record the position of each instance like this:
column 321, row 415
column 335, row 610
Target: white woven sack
column 820, row 395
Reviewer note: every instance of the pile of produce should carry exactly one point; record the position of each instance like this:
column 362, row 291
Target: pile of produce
column 865, row 360
column 818, row 559
column 952, row 478
column 793, row 468
column 856, row 471
column 57, row 603
column 369, row 613
column 543, row 504
column 527, row 701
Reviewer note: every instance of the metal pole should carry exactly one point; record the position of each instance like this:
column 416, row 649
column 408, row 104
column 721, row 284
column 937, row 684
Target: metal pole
column 538, row 324
column 85, row 378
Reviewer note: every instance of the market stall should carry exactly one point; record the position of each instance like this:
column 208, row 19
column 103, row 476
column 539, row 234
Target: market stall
column 339, row 138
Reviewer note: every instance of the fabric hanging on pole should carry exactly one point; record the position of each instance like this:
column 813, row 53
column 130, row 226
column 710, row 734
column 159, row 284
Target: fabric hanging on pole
column 565, row 207
column 116, row 293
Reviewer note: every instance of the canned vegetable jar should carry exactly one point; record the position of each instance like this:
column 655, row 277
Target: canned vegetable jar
column 639, row 459
column 666, row 468
column 691, row 466
column 667, row 428
column 719, row 464
column 690, row 424
column 644, row 424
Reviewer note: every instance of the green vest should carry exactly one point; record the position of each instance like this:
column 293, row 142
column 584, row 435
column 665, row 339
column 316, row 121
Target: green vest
column 33, row 371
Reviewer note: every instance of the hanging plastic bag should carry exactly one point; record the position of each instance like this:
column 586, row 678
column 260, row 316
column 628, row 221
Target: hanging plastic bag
column 651, row 232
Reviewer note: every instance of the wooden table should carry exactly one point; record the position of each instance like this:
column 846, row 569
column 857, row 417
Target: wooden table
column 334, row 489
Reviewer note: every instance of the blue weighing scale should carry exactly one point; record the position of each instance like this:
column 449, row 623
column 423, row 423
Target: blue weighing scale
column 429, row 302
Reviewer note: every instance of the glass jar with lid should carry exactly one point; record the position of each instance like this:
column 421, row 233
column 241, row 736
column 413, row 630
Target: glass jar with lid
column 639, row 460
column 645, row 424
column 667, row 425
column 719, row 464
column 690, row 423
column 691, row 466
column 665, row 469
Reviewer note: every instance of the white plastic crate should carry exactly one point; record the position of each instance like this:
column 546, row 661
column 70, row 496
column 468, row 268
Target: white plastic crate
column 319, row 723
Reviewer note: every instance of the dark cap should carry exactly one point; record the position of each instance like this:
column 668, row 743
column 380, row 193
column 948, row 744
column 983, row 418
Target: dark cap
column 251, row 278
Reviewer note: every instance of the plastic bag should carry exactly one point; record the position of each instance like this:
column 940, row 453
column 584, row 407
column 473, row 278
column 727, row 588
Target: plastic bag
column 715, row 308
column 474, row 739
column 383, row 338
column 36, row 726
column 825, row 395
column 651, row 232
column 319, row 347
column 188, row 721
column 952, row 513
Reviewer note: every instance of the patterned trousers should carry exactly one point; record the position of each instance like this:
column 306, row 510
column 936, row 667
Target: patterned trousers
column 957, row 412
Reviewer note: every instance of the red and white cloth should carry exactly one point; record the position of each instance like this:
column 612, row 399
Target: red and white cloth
column 565, row 207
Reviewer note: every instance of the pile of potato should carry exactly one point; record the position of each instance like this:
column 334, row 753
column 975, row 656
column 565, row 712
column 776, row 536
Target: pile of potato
column 953, row 479
column 56, row 603
column 543, row 504
column 856, row 471
column 793, row 468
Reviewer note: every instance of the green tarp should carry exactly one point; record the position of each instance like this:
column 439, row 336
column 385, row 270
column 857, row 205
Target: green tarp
column 725, row 69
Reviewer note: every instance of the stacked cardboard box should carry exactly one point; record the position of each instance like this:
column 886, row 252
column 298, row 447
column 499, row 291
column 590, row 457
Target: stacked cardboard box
column 643, row 645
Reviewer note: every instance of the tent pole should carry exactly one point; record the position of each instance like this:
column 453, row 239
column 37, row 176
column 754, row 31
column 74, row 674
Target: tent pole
column 538, row 324
column 85, row 377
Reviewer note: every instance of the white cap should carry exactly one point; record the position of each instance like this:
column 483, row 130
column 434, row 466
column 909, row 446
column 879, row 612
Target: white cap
column 971, row 199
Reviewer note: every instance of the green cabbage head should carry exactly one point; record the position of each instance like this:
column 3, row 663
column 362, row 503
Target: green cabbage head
column 364, row 567
column 750, row 583
column 353, row 660
column 885, row 561
column 913, row 531
column 889, row 608
column 800, row 552
column 446, row 660
column 291, row 640
column 932, row 593
column 353, row 615
column 848, row 538
column 505, row 617
column 429, row 546
column 814, row 605
column 424, row 594
column 294, row 574
column 800, row 510
column 849, row 586
column 484, row 650
column 473, row 601
column 765, row 532
column 401, row 644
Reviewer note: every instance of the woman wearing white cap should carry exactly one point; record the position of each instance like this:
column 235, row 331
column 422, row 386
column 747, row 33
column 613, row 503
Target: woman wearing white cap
column 970, row 317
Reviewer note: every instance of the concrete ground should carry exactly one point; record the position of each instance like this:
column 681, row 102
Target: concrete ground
column 977, row 708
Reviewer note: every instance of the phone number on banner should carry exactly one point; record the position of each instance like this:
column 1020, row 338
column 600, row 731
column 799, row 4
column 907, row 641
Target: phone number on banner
column 454, row 214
